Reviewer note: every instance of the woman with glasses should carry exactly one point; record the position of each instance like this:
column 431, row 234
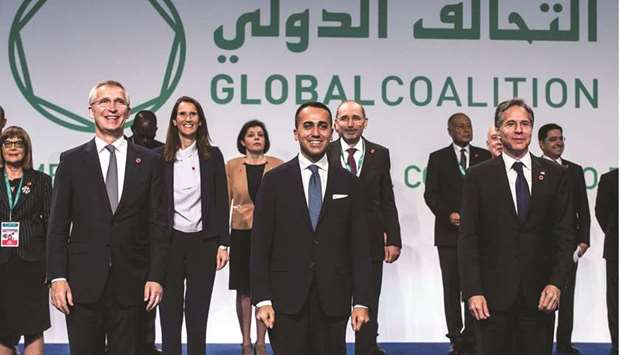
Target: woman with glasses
column 244, row 177
column 195, row 204
column 24, row 210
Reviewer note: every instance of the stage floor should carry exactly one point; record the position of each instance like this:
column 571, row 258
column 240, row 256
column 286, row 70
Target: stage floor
column 391, row 349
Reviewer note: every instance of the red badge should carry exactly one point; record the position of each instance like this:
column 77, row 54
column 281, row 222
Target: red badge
column 138, row 160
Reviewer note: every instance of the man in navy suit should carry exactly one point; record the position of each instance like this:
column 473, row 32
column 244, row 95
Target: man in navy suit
column 310, row 255
column 551, row 141
column 106, row 250
column 515, row 241
column 444, row 185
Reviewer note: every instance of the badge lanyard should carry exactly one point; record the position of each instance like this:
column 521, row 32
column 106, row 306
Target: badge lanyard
column 359, row 161
column 12, row 202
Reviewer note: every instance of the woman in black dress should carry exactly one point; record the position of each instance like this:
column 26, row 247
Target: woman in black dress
column 24, row 209
column 244, row 178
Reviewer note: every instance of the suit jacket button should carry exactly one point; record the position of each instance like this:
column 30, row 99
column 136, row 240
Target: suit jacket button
column 315, row 241
column 311, row 265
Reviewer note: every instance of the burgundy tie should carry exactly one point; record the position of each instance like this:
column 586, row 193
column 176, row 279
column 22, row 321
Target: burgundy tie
column 351, row 160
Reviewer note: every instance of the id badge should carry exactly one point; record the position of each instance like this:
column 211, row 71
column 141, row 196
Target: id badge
column 9, row 235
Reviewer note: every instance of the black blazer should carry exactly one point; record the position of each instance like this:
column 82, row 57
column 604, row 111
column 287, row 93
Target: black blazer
column 500, row 256
column 444, row 188
column 377, row 185
column 580, row 202
column 287, row 255
column 32, row 211
column 88, row 245
column 213, row 196
column 606, row 210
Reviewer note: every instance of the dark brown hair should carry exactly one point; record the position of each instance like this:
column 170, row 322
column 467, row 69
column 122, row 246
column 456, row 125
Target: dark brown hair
column 18, row 132
column 244, row 131
column 173, row 142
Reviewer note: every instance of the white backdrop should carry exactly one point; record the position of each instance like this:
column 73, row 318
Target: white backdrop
column 562, row 59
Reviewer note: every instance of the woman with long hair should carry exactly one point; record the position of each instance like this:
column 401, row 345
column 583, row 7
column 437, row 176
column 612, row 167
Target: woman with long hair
column 195, row 203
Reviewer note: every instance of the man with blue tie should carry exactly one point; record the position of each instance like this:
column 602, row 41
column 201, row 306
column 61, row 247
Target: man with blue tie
column 516, row 241
column 310, row 254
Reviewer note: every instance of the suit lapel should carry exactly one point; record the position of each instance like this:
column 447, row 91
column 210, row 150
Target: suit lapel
column 327, row 199
column 27, row 182
column 454, row 161
column 204, row 187
column 537, row 174
column 131, row 169
column 299, row 194
column 93, row 167
column 369, row 159
column 506, row 193
column 4, row 198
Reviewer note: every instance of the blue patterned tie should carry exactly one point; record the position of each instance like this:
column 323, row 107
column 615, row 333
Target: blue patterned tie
column 315, row 196
column 522, row 191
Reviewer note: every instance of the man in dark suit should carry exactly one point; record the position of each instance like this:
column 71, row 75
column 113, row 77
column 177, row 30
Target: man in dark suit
column 444, row 184
column 516, row 240
column 144, row 128
column 309, row 246
column 606, row 209
column 106, row 247
column 371, row 163
column 551, row 141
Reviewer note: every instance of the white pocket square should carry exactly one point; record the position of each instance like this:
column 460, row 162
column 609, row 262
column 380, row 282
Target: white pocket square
column 339, row 196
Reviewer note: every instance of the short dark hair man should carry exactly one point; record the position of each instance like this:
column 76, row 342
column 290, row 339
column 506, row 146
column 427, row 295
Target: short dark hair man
column 106, row 246
column 309, row 246
column 144, row 128
column 444, row 184
column 516, row 240
column 371, row 163
column 551, row 141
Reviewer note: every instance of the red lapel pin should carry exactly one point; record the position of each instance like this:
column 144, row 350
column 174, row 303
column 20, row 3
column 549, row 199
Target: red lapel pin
column 138, row 160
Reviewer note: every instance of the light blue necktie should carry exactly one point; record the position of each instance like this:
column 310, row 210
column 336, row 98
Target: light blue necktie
column 315, row 196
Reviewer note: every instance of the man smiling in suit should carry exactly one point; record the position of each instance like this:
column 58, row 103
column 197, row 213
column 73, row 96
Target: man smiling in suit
column 515, row 241
column 371, row 163
column 444, row 184
column 309, row 246
column 107, row 252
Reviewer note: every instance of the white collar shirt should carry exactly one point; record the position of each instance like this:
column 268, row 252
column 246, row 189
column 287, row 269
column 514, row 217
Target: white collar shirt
column 187, row 206
column 358, row 156
column 120, row 150
column 558, row 160
column 323, row 165
column 457, row 150
column 512, row 174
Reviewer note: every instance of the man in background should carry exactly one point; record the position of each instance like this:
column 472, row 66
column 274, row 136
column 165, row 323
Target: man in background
column 444, row 185
column 494, row 143
column 144, row 128
column 370, row 162
column 551, row 141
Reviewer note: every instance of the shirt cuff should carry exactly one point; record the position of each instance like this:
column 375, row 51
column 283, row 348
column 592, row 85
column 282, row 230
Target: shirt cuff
column 263, row 303
column 223, row 247
column 58, row 279
column 360, row 306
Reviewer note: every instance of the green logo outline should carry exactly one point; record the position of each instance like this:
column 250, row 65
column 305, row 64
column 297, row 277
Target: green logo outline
column 55, row 113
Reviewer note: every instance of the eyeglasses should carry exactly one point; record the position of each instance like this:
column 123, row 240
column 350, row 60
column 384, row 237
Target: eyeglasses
column 107, row 102
column 13, row 144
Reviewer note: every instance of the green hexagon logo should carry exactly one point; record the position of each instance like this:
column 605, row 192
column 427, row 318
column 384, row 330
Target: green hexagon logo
column 64, row 117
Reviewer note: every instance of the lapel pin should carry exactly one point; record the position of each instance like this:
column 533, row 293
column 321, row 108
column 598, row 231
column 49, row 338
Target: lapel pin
column 475, row 155
column 138, row 160
column 372, row 151
column 541, row 177
column 26, row 190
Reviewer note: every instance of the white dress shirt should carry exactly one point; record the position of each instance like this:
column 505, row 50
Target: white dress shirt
column 358, row 156
column 457, row 151
column 120, row 150
column 512, row 174
column 187, row 199
column 323, row 165
column 558, row 160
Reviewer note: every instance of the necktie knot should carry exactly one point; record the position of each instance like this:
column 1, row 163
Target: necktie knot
column 351, row 151
column 314, row 169
column 110, row 148
column 518, row 167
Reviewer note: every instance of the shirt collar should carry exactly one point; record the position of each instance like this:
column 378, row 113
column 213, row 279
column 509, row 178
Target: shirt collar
column 457, row 149
column 188, row 152
column 558, row 160
column 359, row 146
column 509, row 161
column 120, row 144
column 304, row 162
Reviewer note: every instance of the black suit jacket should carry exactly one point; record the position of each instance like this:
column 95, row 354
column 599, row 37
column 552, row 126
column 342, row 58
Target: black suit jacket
column 580, row 202
column 287, row 255
column 32, row 211
column 377, row 185
column 88, row 244
column 444, row 188
column 213, row 196
column 500, row 256
column 606, row 210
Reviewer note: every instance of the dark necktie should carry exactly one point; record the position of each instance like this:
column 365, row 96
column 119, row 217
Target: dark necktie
column 315, row 195
column 111, row 179
column 522, row 191
column 463, row 161
column 351, row 160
